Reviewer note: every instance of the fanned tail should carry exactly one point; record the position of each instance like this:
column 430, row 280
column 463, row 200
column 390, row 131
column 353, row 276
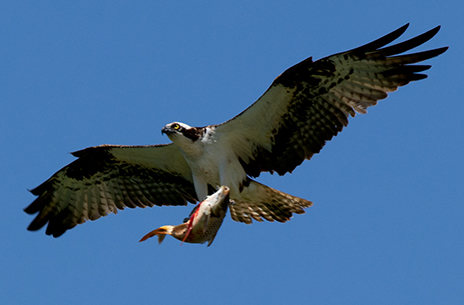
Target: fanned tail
column 258, row 201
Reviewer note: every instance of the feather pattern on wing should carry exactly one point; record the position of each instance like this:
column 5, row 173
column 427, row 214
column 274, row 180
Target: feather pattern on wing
column 310, row 102
column 105, row 179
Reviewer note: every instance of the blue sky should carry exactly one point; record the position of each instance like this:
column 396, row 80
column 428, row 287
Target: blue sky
column 387, row 222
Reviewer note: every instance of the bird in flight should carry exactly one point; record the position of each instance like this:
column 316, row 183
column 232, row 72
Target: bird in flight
column 304, row 107
column 203, row 223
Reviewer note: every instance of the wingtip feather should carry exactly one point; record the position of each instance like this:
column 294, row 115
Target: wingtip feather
column 382, row 41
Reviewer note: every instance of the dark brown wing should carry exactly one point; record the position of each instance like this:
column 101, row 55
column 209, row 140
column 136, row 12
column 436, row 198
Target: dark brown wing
column 107, row 178
column 310, row 102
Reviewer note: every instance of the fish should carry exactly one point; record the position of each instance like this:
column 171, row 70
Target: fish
column 203, row 223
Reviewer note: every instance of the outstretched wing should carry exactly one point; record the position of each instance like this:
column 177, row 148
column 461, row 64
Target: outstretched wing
column 310, row 102
column 107, row 178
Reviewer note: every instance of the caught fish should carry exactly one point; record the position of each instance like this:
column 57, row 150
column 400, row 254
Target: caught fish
column 203, row 223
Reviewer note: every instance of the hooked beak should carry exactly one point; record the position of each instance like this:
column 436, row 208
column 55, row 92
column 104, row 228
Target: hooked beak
column 166, row 130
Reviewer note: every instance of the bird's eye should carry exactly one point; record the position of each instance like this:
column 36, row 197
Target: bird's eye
column 175, row 126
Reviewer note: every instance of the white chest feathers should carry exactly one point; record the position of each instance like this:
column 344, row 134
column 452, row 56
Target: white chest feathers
column 212, row 161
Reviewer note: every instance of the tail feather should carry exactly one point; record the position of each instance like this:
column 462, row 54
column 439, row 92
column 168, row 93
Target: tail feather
column 259, row 202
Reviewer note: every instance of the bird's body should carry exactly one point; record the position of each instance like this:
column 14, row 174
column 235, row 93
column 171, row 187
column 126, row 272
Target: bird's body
column 211, row 164
column 304, row 107
column 202, row 225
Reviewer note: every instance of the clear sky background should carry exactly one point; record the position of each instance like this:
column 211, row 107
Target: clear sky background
column 387, row 222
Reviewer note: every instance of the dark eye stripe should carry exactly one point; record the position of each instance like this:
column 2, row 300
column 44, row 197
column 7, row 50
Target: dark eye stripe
column 192, row 133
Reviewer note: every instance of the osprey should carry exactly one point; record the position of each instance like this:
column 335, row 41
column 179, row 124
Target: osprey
column 303, row 108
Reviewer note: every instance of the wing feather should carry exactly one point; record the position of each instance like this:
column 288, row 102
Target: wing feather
column 105, row 179
column 310, row 103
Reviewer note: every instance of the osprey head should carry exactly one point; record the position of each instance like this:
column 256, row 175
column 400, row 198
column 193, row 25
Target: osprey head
column 176, row 130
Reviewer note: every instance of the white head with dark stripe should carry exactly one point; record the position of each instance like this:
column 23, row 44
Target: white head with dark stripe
column 180, row 133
